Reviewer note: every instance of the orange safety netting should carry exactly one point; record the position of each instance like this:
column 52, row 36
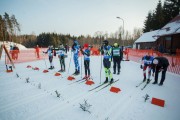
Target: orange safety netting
column 174, row 60
column 19, row 56
column 131, row 54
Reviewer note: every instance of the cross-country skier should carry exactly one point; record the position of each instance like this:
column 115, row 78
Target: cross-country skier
column 75, row 50
column 117, row 57
column 86, row 53
column 146, row 63
column 106, row 51
column 160, row 64
column 61, row 55
column 50, row 54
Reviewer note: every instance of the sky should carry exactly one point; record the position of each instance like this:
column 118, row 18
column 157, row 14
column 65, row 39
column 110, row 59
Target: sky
column 78, row 17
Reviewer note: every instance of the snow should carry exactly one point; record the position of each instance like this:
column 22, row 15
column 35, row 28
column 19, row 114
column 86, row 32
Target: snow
column 170, row 28
column 147, row 37
column 7, row 44
column 25, row 101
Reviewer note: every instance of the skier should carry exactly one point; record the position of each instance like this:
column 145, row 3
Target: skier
column 75, row 50
column 160, row 64
column 106, row 51
column 146, row 62
column 86, row 53
column 50, row 54
column 61, row 55
column 117, row 57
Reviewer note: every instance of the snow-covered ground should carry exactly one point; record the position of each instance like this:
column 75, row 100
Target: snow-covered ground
column 25, row 101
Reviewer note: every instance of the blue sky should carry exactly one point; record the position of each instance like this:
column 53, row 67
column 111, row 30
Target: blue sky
column 77, row 16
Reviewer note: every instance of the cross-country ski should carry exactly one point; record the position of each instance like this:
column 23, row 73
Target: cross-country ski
column 89, row 60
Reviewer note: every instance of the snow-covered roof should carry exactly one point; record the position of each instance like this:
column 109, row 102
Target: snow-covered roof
column 171, row 28
column 147, row 37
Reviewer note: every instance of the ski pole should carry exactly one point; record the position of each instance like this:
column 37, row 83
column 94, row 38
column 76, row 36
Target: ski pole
column 81, row 66
column 100, row 69
column 70, row 62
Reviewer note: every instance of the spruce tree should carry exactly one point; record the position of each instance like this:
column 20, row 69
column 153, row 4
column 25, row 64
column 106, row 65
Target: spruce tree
column 170, row 10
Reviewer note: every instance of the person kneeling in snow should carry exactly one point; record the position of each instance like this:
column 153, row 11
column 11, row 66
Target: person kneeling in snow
column 86, row 54
column 146, row 63
column 160, row 64
column 75, row 50
column 106, row 51
column 61, row 55
column 50, row 54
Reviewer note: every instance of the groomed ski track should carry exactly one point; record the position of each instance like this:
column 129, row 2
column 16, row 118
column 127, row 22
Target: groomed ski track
column 20, row 100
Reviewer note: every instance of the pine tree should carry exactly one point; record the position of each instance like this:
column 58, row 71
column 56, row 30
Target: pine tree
column 147, row 23
column 159, row 17
column 170, row 10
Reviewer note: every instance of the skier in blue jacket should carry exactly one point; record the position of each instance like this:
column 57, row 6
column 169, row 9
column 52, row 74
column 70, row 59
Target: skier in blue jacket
column 86, row 53
column 146, row 63
column 75, row 50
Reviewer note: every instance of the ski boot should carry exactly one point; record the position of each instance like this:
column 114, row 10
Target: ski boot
column 118, row 73
column 155, row 82
column 106, row 81
column 88, row 77
column 77, row 73
column 148, row 80
column 112, row 80
column 160, row 84
column 85, row 77
column 144, row 79
column 114, row 72
column 51, row 68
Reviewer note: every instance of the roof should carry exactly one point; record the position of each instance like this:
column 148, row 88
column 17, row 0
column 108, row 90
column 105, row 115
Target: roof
column 147, row 37
column 171, row 28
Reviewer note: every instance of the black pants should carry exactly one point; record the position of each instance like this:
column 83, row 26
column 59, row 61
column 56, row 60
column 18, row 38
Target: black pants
column 116, row 63
column 62, row 62
column 163, row 74
column 86, row 66
column 50, row 59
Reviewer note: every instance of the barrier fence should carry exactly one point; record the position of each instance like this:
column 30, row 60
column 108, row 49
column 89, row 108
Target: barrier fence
column 129, row 54
column 174, row 60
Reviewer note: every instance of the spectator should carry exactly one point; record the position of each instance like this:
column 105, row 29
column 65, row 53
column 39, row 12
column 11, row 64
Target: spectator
column 37, row 51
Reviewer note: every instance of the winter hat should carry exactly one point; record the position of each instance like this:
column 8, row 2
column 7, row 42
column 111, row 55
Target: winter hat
column 155, row 61
column 115, row 44
column 105, row 42
column 86, row 45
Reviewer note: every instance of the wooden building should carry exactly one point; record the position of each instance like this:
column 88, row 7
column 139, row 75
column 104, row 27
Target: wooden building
column 167, row 38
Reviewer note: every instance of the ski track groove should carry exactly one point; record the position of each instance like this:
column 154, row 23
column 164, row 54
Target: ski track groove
column 61, row 106
column 128, row 97
column 22, row 101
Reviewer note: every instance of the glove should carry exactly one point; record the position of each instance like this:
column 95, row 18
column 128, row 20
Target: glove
column 141, row 66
